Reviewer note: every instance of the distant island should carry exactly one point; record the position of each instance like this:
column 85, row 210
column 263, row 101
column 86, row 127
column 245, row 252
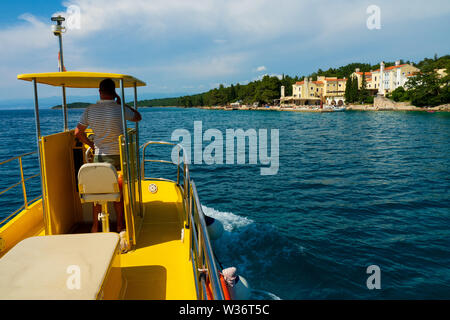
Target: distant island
column 82, row 105
column 74, row 105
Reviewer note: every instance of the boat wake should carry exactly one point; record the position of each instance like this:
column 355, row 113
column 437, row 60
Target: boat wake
column 229, row 220
column 249, row 246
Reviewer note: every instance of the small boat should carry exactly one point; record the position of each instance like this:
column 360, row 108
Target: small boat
column 165, row 251
column 334, row 108
column 338, row 109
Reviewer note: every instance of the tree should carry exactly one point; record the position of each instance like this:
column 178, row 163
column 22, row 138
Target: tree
column 363, row 92
column 399, row 95
column 348, row 88
column 351, row 90
column 354, row 90
column 427, row 89
column 232, row 94
column 212, row 98
column 267, row 90
column 186, row 101
column 222, row 95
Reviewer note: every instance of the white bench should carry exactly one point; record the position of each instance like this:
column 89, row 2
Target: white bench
column 51, row 267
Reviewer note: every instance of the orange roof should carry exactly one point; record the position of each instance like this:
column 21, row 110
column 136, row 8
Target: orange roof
column 315, row 82
column 393, row 67
column 367, row 73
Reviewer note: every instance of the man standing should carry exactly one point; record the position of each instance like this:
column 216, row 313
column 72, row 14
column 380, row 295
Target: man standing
column 105, row 119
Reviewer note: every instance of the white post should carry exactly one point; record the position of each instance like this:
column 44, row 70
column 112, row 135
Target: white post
column 381, row 88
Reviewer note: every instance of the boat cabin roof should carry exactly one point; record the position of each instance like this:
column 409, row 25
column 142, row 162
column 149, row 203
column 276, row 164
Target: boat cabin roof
column 80, row 79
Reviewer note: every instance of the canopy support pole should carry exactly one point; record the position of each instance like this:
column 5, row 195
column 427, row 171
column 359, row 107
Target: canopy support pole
column 141, row 213
column 127, row 152
column 64, row 108
column 38, row 138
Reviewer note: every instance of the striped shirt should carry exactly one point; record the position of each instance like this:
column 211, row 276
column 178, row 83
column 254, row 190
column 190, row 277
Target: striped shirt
column 105, row 119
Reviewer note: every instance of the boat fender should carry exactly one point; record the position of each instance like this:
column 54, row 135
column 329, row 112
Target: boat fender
column 208, row 286
column 214, row 227
column 223, row 284
column 123, row 243
column 237, row 285
column 120, row 181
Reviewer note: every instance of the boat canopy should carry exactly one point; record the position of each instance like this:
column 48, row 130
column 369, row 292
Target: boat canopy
column 80, row 79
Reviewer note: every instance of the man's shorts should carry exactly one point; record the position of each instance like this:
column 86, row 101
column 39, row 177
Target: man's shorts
column 109, row 158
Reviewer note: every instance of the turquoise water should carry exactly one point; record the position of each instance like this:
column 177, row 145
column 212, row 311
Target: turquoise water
column 353, row 189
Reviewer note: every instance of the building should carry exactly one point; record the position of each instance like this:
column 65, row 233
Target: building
column 441, row 73
column 329, row 90
column 386, row 79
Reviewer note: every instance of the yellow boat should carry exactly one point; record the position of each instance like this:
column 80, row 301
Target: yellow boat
column 46, row 250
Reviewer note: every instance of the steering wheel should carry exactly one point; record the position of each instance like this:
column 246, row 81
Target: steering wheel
column 89, row 155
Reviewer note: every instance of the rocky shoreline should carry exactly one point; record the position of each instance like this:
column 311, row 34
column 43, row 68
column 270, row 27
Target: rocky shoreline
column 445, row 108
column 352, row 107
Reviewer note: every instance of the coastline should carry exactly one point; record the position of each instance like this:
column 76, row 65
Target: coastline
column 351, row 107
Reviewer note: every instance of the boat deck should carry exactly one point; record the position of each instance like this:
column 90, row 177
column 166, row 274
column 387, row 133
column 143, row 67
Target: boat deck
column 159, row 266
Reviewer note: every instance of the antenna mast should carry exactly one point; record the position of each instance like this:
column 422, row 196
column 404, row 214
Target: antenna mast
column 58, row 29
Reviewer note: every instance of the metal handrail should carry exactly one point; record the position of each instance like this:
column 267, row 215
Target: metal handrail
column 17, row 157
column 21, row 182
column 201, row 252
column 205, row 244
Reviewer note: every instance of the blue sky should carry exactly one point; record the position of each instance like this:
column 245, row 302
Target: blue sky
column 191, row 46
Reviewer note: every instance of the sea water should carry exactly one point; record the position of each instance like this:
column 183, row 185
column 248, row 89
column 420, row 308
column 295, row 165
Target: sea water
column 353, row 190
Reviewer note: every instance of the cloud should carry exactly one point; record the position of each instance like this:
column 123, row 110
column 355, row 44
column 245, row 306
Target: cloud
column 175, row 42
column 29, row 34
column 205, row 67
column 260, row 69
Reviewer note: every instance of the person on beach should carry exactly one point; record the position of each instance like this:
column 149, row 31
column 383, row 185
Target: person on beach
column 105, row 119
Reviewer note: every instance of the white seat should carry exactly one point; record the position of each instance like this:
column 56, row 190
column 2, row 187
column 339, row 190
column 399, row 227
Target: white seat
column 39, row 268
column 98, row 182
column 101, row 197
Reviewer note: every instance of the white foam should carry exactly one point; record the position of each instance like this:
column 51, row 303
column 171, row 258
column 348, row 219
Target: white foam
column 229, row 220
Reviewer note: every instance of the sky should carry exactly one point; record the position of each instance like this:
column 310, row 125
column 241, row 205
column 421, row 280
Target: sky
column 190, row 46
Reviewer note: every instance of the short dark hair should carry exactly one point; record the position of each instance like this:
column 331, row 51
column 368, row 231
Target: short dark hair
column 108, row 86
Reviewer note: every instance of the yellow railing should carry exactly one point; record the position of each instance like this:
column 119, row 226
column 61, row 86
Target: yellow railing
column 22, row 181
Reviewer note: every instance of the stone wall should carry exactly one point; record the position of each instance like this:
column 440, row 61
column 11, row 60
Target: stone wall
column 383, row 103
